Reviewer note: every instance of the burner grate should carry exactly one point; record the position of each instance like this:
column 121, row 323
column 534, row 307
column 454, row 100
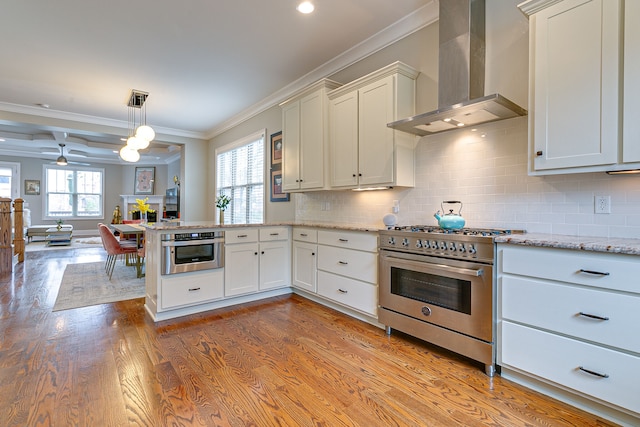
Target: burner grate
column 487, row 232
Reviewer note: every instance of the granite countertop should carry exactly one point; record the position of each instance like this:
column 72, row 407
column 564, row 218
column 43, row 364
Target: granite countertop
column 584, row 243
column 191, row 225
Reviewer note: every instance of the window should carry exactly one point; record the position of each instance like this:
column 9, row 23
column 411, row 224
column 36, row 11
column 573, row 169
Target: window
column 240, row 175
column 9, row 180
column 73, row 193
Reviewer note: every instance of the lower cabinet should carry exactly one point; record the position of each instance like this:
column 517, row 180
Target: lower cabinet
column 348, row 269
column 305, row 250
column 569, row 319
column 256, row 260
column 191, row 288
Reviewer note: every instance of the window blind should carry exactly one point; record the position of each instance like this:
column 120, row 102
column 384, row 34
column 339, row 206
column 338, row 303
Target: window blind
column 240, row 175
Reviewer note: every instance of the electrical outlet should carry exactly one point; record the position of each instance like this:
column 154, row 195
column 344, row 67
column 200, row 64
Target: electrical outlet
column 396, row 207
column 603, row 204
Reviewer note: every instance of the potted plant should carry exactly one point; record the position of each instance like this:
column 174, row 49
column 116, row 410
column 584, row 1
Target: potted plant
column 222, row 202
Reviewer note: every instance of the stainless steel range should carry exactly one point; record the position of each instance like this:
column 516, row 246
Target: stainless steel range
column 437, row 285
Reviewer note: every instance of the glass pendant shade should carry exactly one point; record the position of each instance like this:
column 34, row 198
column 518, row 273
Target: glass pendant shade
column 137, row 143
column 129, row 154
column 145, row 132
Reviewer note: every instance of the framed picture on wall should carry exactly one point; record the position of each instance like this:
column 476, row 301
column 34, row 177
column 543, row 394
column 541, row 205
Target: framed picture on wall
column 32, row 187
column 276, row 169
column 144, row 180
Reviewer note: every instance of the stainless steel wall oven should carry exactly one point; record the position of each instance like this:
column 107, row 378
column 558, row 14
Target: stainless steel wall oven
column 186, row 252
column 437, row 285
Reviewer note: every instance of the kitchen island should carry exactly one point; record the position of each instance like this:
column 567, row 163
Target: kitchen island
column 254, row 262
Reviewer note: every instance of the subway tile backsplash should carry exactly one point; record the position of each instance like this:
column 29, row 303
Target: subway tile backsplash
column 489, row 175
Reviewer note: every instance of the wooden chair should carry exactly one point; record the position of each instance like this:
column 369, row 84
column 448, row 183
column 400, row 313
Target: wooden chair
column 113, row 248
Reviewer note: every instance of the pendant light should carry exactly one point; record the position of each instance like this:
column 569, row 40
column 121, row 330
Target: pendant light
column 61, row 160
column 140, row 136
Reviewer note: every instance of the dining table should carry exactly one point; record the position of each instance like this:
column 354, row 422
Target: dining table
column 138, row 231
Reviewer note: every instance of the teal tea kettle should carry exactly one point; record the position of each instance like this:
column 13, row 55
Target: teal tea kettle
column 450, row 221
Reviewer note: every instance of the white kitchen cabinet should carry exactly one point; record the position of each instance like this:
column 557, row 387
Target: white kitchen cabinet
column 192, row 288
column 305, row 249
column 275, row 256
column 348, row 269
column 631, row 124
column 304, row 135
column 574, row 85
column 256, row 260
column 568, row 318
column 364, row 152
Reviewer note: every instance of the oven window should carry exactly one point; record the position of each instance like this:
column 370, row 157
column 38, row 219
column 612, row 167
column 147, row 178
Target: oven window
column 454, row 294
column 195, row 253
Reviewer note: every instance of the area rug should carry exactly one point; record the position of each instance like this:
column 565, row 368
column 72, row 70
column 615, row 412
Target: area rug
column 88, row 284
column 76, row 243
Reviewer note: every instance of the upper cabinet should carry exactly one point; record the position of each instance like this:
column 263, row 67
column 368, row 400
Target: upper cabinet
column 364, row 152
column 631, row 127
column 574, row 88
column 304, row 136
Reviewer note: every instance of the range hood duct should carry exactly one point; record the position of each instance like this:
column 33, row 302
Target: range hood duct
column 461, row 99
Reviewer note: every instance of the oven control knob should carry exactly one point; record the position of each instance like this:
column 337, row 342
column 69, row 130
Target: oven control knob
column 405, row 242
column 425, row 244
column 426, row 311
column 392, row 240
column 471, row 249
column 452, row 246
column 434, row 244
column 460, row 247
column 443, row 245
column 418, row 243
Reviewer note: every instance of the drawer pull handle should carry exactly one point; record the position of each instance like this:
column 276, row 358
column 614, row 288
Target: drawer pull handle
column 343, row 262
column 596, row 273
column 342, row 291
column 343, row 240
column 594, row 373
column 593, row 316
column 242, row 235
column 303, row 234
column 193, row 289
column 274, row 234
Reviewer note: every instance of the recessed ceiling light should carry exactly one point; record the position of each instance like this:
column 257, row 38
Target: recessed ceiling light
column 305, row 7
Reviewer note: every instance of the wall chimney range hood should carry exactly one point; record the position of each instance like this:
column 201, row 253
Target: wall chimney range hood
column 461, row 99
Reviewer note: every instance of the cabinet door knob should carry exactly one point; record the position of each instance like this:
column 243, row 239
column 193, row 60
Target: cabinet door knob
column 262, row 252
column 354, row 175
column 539, row 153
column 255, row 253
column 313, row 254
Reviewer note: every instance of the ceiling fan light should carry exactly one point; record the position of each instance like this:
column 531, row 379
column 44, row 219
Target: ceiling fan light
column 129, row 154
column 145, row 132
column 61, row 161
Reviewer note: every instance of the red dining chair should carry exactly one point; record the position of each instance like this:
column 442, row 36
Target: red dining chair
column 113, row 248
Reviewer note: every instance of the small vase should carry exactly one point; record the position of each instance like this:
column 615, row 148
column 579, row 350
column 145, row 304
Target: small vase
column 143, row 217
column 221, row 221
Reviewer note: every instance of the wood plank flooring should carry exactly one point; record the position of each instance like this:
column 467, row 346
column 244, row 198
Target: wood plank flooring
column 285, row 361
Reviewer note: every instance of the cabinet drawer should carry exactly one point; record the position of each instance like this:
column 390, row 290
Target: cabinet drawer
column 240, row 235
column 344, row 239
column 191, row 288
column 305, row 235
column 274, row 233
column 353, row 293
column 346, row 262
column 557, row 307
column 619, row 272
column 558, row 359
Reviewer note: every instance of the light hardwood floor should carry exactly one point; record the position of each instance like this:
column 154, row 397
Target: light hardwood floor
column 285, row 361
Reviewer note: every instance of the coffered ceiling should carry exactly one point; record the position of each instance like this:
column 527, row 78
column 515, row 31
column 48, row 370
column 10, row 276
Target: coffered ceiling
column 206, row 64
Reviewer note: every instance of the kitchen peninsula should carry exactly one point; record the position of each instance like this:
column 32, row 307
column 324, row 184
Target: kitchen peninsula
column 250, row 262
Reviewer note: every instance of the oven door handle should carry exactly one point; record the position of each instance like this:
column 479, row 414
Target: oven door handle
column 464, row 271
column 192, row 242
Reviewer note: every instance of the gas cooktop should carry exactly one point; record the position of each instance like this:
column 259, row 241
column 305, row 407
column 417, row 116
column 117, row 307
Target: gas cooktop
column 463, row 231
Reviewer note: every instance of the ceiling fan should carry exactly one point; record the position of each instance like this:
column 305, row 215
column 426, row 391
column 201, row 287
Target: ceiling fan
column 62, row 160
